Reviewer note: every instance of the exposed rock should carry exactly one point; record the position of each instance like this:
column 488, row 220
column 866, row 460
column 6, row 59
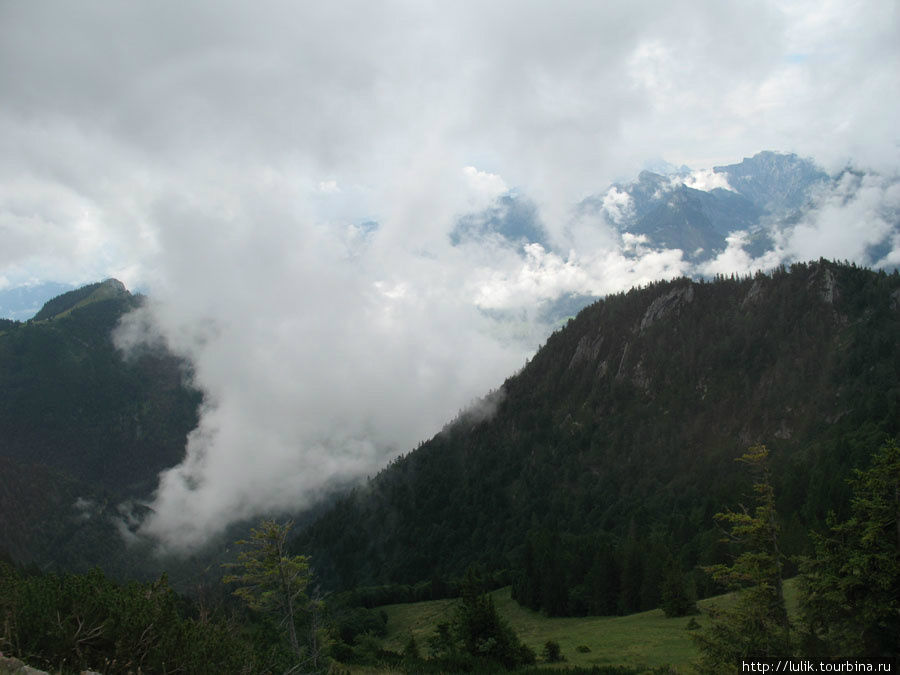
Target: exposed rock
column 12, row 666
column 828, row 287
column 828, row 290
column 753, row 295
column 784, row 432
column 640, row 377
column 623, row 363
column 587, row 350
column 668, row 304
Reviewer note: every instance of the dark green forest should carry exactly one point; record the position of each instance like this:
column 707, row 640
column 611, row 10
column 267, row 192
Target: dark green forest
column 607, row 456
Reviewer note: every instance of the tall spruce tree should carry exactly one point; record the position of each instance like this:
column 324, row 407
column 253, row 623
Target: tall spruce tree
column 850, row 588
column 757, row 625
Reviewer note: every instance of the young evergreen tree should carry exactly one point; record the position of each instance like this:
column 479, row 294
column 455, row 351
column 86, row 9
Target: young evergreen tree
column 757, row 625
column 272, row 582
column 481, row 630
column 850, row 600
column 676, row 598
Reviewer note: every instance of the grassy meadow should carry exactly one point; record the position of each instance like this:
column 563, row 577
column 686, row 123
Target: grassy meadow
column 647, row 639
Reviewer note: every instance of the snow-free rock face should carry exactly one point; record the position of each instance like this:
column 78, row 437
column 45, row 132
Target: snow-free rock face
column 666, row 305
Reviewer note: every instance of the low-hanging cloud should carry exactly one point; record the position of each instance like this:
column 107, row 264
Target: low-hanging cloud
column 282, row 179
column 855, row 218
column 704, row 179
column 849, row 219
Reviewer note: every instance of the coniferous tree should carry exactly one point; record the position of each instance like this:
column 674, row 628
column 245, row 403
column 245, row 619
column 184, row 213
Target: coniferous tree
column 757, row 625
column 481, row 630
column 273, row 582
column 676, row 599
column 850, row 599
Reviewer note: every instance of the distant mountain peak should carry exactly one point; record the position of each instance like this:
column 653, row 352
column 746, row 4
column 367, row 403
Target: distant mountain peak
column 695, row 211
column 63, row 304
column 774, row 181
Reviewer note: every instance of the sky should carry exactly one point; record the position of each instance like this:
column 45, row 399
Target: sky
column 281, row 179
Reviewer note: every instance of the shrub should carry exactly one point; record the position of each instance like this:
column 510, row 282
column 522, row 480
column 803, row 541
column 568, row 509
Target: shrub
column 552, row 653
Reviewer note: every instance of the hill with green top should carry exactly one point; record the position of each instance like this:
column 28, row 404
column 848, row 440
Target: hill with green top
column 80, row 297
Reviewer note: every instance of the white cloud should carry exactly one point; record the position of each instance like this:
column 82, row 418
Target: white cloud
column 634, row 242
column 859, row 212
column 704, row 179
column 544, row 275
column 618, row 205
column 485, row 186
column 736, row 260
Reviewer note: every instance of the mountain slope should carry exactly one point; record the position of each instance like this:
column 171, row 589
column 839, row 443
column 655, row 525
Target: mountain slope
column 72, row 402
column 615, row 445
column 83, row 430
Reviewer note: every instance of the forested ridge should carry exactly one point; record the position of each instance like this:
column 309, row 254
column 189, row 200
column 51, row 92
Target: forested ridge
column 83, row 428
column 607, row 456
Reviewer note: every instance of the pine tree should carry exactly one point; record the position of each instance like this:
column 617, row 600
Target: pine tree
column 757, row 625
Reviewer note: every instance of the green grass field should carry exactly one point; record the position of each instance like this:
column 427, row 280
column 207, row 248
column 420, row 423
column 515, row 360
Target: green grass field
column 647, row 639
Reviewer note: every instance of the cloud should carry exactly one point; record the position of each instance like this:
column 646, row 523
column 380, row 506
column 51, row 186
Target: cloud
column 856, row 218
column 736, row 260
column 704, row 179
column 282, row 179
column 850, row 218
column 485, row 187
column 618, row 205
column 545, row 275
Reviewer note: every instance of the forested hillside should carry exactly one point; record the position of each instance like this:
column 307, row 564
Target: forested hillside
column 82, row 430
column 602, row 462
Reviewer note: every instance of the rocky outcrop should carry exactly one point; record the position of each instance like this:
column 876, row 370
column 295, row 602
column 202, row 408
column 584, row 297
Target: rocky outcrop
column 754, row 295
column 666, row 305
column 12, row 666
column 587, row 351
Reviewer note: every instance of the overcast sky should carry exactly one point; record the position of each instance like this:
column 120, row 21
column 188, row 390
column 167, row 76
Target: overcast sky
column 226, row 157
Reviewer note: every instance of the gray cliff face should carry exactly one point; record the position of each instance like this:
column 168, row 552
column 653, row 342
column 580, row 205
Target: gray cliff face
column 667, row 305
column 774, row 182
